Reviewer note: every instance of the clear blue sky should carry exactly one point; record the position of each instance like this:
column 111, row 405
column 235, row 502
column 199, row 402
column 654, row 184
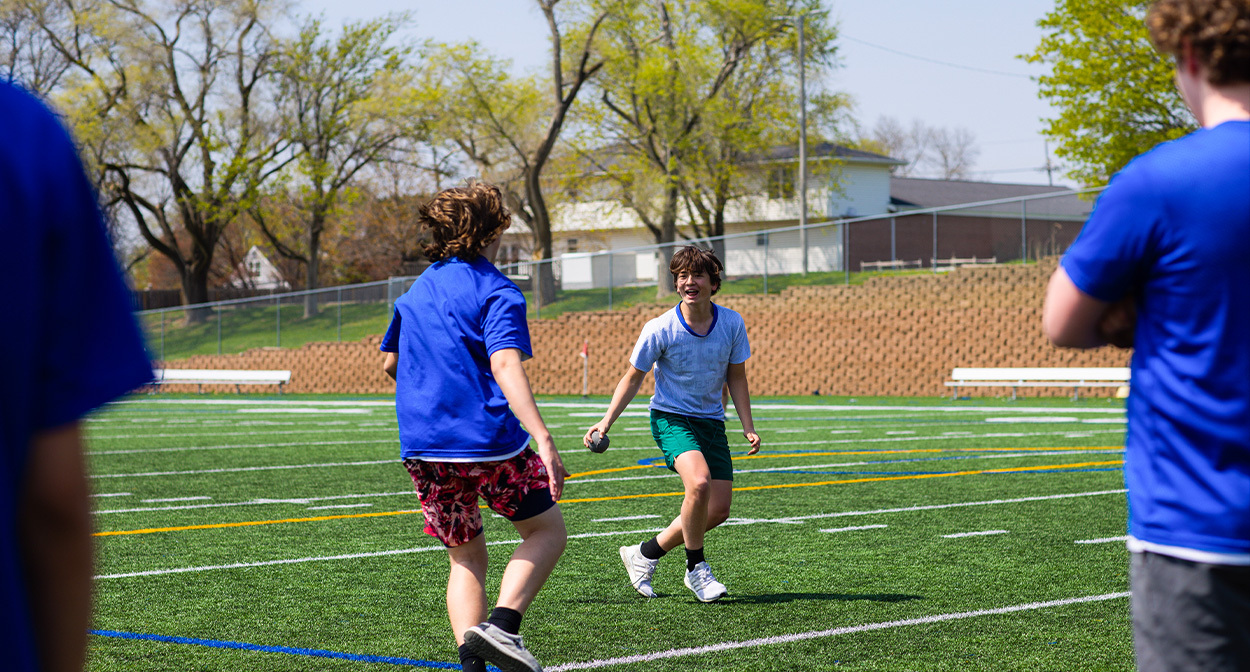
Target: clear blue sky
column 888, row 52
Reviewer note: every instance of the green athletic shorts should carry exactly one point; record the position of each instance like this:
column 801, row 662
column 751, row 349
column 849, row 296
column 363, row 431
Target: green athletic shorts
column 676, row 434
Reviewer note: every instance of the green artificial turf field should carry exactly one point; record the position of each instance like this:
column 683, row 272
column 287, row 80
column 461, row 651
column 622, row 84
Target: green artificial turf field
column 257, row 533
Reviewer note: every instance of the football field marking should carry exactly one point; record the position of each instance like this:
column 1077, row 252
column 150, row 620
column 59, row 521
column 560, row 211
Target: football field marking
column 854, row 528
column 832, row 632
column 982, row 533
column 1104, row 540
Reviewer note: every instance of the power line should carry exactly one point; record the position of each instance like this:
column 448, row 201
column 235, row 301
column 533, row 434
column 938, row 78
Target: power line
column 934, row 60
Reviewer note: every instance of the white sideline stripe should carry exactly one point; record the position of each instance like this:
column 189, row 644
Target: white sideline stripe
column 253, row 502
column 340, row 506
column 601, row 407
column 303, row 410
column 229, row 470
column 973, row 534
column 111, row 494
column 189, row 435
column 587, row 535
column 1039, row 419
column 175, row 499
column 349, row 556
column 934, row 507
column 854, row 528
column 180, row 449
column 832, row 632
column 1104, row 540
column 615, row 520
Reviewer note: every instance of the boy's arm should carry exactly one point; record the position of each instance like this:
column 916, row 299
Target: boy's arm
column 391, row 365
column 506, row 366
column 54, row 533
column 1071, row 318
column 625, row 392
column 736, row 379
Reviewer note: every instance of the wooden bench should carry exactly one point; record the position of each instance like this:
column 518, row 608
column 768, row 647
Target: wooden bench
column 202, row 377
column 895, row 265
column 1074, row 377
column 956, row 262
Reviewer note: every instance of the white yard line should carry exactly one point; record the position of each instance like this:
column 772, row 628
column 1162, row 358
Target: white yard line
column 588, row 535
column 1104, row 540
column 832, row 632
column 854, row 528
column 349, row 556
column 192, row 435
column 758, row 408
column 228, row 470
column 983, row 533
column 182, row 449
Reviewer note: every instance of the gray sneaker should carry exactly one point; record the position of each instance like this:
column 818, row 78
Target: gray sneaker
column 705, row 586
column 640, row 569
column 501, row 648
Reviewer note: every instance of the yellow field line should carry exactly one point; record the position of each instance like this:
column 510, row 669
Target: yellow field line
column 596, row 472
column 619, row 497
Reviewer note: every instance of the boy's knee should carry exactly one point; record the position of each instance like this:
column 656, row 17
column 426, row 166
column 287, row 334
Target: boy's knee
column 717, row 516
column 698, row 487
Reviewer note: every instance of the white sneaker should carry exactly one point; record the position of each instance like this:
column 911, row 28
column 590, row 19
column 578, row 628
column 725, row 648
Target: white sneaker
column 501, row 648
column 705, row 586
column 640, row 569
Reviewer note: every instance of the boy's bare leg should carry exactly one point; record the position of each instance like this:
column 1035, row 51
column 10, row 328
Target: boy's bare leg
column 720, row 494
column 466, row 586
column 543, row 540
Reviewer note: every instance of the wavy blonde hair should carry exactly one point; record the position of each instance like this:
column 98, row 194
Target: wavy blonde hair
column 463, row 221
column 1217, row 30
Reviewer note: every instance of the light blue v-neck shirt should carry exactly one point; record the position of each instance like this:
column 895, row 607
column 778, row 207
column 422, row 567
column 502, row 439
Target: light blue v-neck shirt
column 690, row 368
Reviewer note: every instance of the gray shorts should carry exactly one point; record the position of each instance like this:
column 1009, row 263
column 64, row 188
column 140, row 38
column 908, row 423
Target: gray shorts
column 1189, row 615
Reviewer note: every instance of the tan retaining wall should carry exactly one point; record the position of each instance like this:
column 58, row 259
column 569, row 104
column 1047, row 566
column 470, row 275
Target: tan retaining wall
column 897, row 336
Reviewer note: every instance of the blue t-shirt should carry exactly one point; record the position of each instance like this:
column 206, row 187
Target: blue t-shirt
column 68, row 342
column 690, row 368
column 445, row 328
column 1173, row 230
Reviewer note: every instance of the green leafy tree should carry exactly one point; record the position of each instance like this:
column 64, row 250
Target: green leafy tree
column 508, row 126
column 664, row 105
column 170, row 102
column 1114, row 91
column 345, row 104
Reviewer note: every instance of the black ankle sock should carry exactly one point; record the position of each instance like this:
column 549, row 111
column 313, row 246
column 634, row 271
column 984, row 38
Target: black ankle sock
column 469, row 661
column 651, row 549
column 508, row 620
column 693, row 557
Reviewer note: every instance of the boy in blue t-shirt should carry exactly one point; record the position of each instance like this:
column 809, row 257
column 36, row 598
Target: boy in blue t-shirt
column 696, row 349
column 1162, row 266
column 69, row 345
column 454, row 348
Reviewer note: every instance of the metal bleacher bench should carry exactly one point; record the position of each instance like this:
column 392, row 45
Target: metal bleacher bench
column 1075, row 378
column 202, row 377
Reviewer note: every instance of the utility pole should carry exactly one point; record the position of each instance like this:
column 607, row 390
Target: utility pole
column 802, row 143
column 1050, row 167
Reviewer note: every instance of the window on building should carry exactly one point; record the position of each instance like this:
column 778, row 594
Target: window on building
column 571, row 244
column 781, row 183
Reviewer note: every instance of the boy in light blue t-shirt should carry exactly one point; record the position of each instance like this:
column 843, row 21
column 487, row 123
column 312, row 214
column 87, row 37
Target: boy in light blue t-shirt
column 454, row 348
column 696, row 349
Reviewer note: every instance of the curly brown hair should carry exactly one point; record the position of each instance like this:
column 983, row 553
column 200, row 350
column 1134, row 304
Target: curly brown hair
column 1217, row 30
column 697, row 259
column 463, row 221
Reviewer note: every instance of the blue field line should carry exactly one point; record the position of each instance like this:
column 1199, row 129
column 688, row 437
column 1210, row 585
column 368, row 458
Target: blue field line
column 295, row 651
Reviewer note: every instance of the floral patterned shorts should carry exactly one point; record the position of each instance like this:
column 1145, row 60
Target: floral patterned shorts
column 515, row 488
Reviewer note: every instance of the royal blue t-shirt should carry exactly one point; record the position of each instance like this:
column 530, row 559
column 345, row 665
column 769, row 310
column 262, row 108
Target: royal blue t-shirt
column 445, row 328
column 1173, row 230
column 68, row 342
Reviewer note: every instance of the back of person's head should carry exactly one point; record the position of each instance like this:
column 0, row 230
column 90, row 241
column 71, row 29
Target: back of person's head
column 1218, row 31
column 463, row 221
column 697, row 260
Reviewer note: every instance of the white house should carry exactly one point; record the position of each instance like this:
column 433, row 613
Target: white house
column 842, row 182
column 257, row 272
